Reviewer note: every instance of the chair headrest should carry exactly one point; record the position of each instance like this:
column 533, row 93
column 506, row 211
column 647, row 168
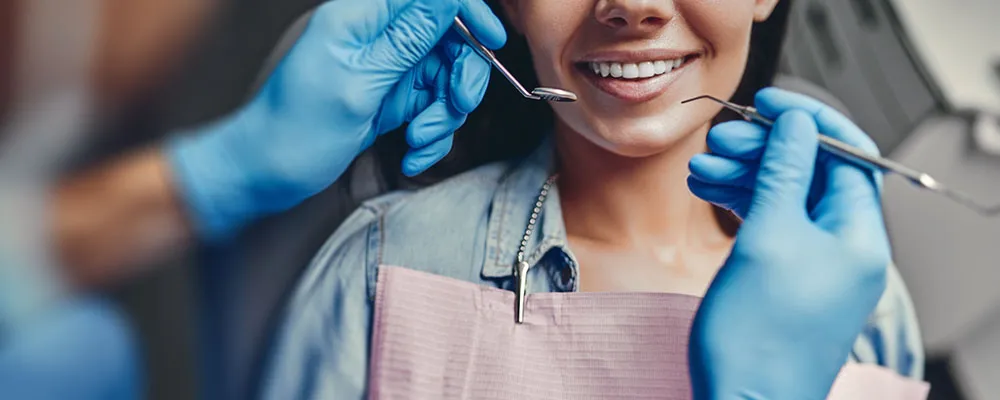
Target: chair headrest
column 804, row 86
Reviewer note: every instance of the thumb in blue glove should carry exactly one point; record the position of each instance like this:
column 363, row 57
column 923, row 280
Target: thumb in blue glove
column 809, row 262
column 360, row 69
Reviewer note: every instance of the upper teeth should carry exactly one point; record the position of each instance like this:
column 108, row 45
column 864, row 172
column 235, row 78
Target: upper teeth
column 640, row 70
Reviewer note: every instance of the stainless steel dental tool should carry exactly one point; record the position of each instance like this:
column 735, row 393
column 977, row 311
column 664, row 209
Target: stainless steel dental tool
column 539, row 93
column 858, row 156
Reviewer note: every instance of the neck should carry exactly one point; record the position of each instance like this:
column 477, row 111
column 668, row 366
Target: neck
column 633, row 201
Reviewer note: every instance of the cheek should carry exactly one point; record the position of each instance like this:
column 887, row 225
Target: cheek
column 723, row 25
column 725, row 28
column 549, row 27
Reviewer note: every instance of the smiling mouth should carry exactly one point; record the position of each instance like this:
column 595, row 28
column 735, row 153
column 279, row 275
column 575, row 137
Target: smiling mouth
column 635, row 81
column 639, row 70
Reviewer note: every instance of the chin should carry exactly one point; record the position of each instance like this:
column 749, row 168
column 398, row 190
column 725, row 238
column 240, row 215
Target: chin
column 639, row 142
column 640, row 130
column 638, row 136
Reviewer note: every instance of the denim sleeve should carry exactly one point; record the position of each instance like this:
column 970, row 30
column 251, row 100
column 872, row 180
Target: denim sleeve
column 321, row 348
column 892, row 337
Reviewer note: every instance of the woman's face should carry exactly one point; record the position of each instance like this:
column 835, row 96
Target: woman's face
column 631, row 63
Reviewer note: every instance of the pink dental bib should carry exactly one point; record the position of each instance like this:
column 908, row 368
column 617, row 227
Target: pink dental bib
column 438, row 338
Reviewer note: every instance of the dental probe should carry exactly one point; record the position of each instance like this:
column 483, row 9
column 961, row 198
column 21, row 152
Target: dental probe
column 858, row 156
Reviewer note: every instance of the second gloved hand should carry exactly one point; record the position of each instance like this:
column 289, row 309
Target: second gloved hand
column 809, row 263
column 360, row 69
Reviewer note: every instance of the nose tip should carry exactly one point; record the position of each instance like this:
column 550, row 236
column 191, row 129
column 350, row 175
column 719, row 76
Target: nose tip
column 642, row 15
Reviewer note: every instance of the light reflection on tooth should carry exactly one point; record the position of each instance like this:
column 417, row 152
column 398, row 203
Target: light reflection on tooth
column 659, row 67
column 605, row 69
column 596, row 68
column 616, row 70
column 630, row 71
column 646, row 69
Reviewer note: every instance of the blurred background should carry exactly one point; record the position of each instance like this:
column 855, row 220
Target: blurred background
column 921, row 76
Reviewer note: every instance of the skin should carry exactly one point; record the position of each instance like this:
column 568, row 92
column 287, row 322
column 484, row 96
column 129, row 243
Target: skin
column 125, row 213
column 8, row 31
column 115, row 217
column 630, row 218
column 112, row 219
column 142, row 41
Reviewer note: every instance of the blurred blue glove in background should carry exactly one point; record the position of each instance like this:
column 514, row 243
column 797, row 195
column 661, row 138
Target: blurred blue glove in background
column 361, row 68
column 80, row 350
column 809, row 262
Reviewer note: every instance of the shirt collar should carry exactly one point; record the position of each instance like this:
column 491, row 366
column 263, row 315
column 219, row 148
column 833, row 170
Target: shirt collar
column 511, row 209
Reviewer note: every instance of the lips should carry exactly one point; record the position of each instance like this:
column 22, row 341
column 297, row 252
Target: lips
column 635, row 77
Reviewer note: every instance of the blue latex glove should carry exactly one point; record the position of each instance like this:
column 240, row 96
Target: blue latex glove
column 360, row 69
column 79, row 350
column 809, row 262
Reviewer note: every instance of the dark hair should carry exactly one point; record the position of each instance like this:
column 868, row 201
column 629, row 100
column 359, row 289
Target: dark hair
column 497, row 130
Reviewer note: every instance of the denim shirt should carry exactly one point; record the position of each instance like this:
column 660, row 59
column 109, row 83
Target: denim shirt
column 469, row 228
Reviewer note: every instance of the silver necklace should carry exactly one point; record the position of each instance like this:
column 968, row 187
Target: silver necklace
column 522, row 265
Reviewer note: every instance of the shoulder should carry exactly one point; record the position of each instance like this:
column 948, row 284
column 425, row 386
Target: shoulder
column 318, row 348
column 440, row 207
column 321, row 344
column 892, row 338
column 439, row 229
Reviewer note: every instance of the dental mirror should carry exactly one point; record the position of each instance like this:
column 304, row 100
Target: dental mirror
column 552, row 94
column 539, row 93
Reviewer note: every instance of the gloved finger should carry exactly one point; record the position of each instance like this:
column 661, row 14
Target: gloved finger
column 419, row 160
column 737, row 139
column 470, row 75
column 485, row 25
column 850, row 201
column 438, row 120
column 414, row 92
column 850, row 193
column 786, row 167
column 411, row 30
column 772, row 102
column 417, row 90
column 431, row 84
column 731, row 198
column 717, row 170
column 423, row 101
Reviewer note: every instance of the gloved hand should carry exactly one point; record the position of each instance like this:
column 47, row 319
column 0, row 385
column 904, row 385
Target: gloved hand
column 80, row 349
column 809, row 262
column 360, row 69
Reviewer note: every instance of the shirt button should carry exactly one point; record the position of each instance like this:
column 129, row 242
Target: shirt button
column 566, row 277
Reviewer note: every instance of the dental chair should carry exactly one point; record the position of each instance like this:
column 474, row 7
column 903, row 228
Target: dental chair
column 876, row 56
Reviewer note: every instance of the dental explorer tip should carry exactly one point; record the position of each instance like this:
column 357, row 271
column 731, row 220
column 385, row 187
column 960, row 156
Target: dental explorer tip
column 704, row 96
column 928, row 182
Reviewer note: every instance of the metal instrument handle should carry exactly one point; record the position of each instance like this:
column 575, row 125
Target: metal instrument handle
column 492, row 58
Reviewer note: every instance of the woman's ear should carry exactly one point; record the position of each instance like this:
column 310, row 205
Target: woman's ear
column 762, row 9
column 511, row 10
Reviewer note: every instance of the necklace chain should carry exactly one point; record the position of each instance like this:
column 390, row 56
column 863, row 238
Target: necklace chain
column 521, row 268
column 535, row 212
